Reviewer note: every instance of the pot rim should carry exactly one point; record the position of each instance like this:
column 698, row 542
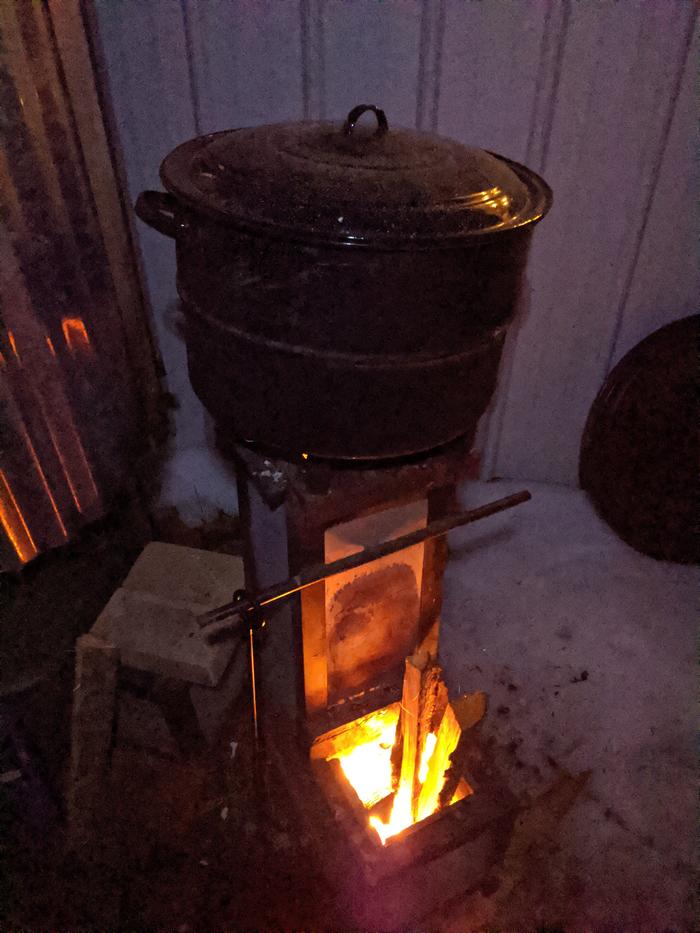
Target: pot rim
column 186, row 194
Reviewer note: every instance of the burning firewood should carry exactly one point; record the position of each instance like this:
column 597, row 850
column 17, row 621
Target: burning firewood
column 405, row 750
column 448, row 761
column 431, row 707
column 431, row 746
column 402, row 783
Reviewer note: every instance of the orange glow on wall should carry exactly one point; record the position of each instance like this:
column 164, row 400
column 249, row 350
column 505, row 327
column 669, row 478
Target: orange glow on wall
column 49, row 344
column 75, row 334
column 13, row 522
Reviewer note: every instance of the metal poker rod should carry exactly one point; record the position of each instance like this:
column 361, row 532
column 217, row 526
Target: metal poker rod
column 233, row 612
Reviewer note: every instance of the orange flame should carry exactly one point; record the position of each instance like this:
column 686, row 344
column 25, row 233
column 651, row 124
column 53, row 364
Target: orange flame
column 367, row 766
column 401, row 815
column 13, row 522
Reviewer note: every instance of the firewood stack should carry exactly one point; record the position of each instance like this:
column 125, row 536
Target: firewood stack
column 434, row 776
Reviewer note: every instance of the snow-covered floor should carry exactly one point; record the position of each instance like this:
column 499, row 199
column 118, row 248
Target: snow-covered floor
column 587, row 651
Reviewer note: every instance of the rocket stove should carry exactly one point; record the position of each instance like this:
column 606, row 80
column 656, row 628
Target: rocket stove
column 346, row 293
column 384, row 770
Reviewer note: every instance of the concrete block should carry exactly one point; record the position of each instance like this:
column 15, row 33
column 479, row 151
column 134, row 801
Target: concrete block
column 185, row 574
column 151, row 619
column 162, row 637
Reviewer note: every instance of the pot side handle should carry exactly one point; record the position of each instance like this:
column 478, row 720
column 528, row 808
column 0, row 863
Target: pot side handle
column 157, row 209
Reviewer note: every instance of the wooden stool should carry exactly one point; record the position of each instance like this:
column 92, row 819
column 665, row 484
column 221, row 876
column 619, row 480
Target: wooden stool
column 148, row 633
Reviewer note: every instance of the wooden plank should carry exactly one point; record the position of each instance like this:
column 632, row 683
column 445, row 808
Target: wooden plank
column 460, row 715
column 94, row 703
column 431, row 705
column 43, row 384
column 408, row 723
column 619, row 72
column 246, row 62
column 419, row 714
column 368, row 727
column 468, row 710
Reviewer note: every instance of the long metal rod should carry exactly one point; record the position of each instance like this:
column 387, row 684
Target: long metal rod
column 318, row 572
column 253, row 689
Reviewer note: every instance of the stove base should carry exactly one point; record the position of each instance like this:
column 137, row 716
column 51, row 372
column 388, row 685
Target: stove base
column 431, row 864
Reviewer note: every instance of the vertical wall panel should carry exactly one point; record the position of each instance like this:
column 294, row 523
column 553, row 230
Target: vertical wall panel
column 619, row 73
column 490, row 73
column 499, row 73
column 73, row 429
column 145, row 54
column 246, row 61
column 371, row 56
column 666, row 280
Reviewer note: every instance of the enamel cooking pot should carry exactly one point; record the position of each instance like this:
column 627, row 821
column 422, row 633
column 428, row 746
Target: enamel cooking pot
column 346, row 288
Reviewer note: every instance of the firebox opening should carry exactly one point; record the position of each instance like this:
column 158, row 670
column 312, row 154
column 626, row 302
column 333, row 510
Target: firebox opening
column 364, row 749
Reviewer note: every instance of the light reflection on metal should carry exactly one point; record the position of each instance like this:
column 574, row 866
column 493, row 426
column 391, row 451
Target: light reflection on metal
column 13, row 345
column 13, row 522
column 75, row 334
column 64, row 466
column 68, row 430
column 49, row 344
column 493, row 201
column 44, row 481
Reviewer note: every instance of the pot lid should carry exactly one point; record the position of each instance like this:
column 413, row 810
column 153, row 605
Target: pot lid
column 354, row 184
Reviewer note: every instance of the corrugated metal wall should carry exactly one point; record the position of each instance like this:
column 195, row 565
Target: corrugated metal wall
column 596, row 95
column 79, row 395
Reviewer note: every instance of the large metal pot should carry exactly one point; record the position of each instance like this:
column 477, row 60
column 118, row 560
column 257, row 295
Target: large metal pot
column 346, row 288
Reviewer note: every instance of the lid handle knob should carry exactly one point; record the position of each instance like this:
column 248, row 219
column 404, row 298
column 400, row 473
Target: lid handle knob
column 356, row 113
